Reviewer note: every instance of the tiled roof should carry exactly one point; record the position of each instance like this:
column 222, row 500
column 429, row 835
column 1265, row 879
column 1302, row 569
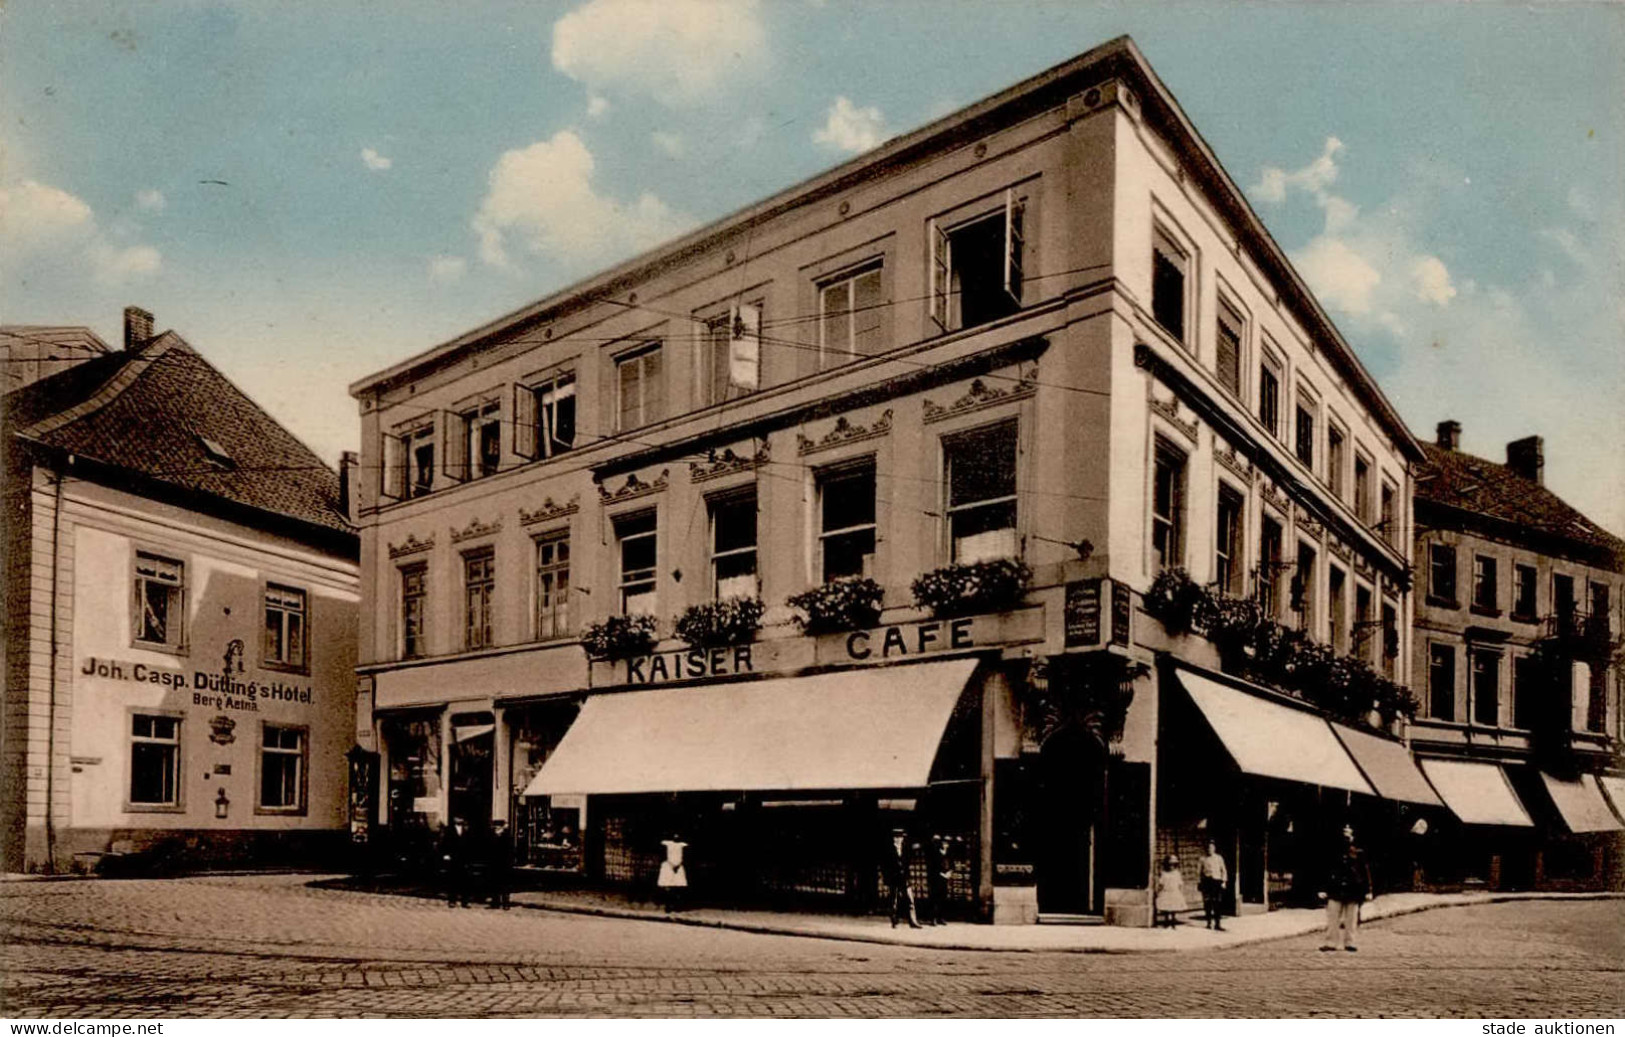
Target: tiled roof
column 164, row 412
column 1456, row 480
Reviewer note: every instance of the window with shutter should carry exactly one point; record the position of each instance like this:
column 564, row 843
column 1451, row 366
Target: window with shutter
column 1169, row 265
column 1227, row 356
column 978, row 264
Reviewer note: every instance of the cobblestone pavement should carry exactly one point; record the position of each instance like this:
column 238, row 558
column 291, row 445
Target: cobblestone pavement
column 260, row 946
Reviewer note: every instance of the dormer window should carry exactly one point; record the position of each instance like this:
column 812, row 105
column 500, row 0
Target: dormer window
column 216, row 453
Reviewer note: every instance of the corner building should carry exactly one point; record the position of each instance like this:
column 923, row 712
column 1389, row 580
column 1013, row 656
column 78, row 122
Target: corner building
column 1047, row 329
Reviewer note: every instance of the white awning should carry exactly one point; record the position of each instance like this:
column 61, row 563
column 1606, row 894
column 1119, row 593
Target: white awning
column 462, row 733
column 1614, row 786
column 1388, row 765
column 1478, row 793
column 1581, row 804
column 856, row 729
column 1272, row 739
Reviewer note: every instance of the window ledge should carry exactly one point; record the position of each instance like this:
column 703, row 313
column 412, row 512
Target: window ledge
column 279, row 811
column 154, row 808
column 1443, row 603
column 1480, row 610
column 154, row 646
column 301, row 670
column 1525, row 617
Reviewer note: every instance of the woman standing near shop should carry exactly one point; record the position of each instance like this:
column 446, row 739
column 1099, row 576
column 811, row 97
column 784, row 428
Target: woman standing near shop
column 673, row 879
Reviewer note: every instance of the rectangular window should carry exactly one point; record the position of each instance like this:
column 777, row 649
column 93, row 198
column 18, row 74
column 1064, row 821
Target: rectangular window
column 1336, row 585
column 1484, row 598
column 1442, row 682
column 1388, row 517
column 1442, row 575
column 1269, row 396
column 1362, row 488
column 482, row 434
column 846, row 507
column 553, row 585
column 1525, row 691
column 1390, row 642
column 1600, row 620
column 730, row 354
column 479, row 584
column 636, row 544
column 849, row 317
column 1523, row 591
column 1486, row 688
column 733, row 546
column 976, row 266
column 1306, row 434
column 420, row 460
column 414, row 599
column 545, row 417
column 1597, row 700
column 981, row 478
column 1303, row 588
column 284, row 627
column 1170, row 265
column 1168, row 507
column 1364, row 626
column 282, row 768
column 1563, row 603
column 1269, row 566
column 1227, row 355
column 1227, row 562
column 155, row 760
column 160, row 600
column 640, row 389
column 1336, row 458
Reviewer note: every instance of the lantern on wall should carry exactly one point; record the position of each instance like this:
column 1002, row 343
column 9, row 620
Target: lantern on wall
column 222, row 804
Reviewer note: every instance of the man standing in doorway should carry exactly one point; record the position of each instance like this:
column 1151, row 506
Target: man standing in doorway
column 1348, row 885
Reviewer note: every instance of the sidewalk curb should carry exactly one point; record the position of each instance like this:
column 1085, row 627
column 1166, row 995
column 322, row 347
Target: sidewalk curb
column 763, row 929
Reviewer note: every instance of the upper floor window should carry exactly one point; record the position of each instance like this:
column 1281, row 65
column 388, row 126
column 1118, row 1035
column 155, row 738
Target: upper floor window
column 1168, row 506
column 1599, row 607
column 976, row 265
column 1390, row 642
column 479, row 585
column 1269, row 566
column 1486, row 687
column 419, row 468
column 160, row 600
column 1305, row 432
column 636, row 544
column 1442, row 682
column 1336, row 459
column 1526, row 691
column 849, row 317
column 553, row 584
column 1227, row 552
column 640, row 389
column 1269, row 395
column 730, row 354
column 1388, row 515
column 1563, row 601
column 1362, row 638
column 846, row 528
column 282, row 768
column 475, row 441
column 545, row 417
column 1303, row 588
column 1362, row 488
column 1227, row 355
column 1523, row 591
column 284, row 627
column 1442, row 574
column 1337, row 608
column 414, row 599
column 981, row 478
column 155, row 760
column 733, row 545
column 1597, row 698
column 1484, row 595
column 1170, row 265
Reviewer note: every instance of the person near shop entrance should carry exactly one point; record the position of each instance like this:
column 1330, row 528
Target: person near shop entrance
column 1215, row 880
column 937, row 872
column 1171, row 892
column 499, row 865
column 672, row 881
column 1348, row 885
column 898, row 880
column 456, row 846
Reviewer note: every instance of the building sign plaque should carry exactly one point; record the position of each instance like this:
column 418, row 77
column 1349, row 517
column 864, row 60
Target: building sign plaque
column 222, row 730
column 1122, row 614
column 1083, row 613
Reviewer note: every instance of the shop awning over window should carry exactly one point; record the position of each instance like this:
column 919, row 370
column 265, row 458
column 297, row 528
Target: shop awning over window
column 857, row 729
column 1581, row 804
column 469, row 732
column 1274, row 740
column 1614, row 786
column 1478, row 793
column 1388, row 766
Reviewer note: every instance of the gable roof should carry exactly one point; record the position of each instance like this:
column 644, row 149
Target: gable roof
column 165, row 415
column 1507, row 503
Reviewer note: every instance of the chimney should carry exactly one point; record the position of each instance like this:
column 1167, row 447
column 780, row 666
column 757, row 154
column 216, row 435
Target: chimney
column 349, row 466
column 1527, row 457
column 1450, row 435
column 137, row 327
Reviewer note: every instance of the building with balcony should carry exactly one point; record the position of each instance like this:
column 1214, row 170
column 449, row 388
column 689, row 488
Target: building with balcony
column 1518, row 621
column 856, row 496
column 181, row 593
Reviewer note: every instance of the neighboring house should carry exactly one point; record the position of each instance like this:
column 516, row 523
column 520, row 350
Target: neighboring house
column 188, row 564
column 1047, row 330
column 1518, row 623
column 30, row 352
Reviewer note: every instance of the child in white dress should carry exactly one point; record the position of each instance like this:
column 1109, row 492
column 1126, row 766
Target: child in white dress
column 1170, row 892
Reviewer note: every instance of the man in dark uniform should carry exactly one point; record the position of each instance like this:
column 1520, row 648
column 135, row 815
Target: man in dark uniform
column 937, row 873
column 895, row 863
column 1348, row 885
column 499, row 864
column 455, row 846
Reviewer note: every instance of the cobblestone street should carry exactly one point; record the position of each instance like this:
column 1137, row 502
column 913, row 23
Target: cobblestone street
column 271, row 946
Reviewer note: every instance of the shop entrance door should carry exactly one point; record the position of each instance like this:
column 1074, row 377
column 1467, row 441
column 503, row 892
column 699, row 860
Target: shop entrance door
column 472, row 759
column 1069, row 790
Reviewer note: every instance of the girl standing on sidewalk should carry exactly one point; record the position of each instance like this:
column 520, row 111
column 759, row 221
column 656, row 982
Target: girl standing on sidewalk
column 1170, row 892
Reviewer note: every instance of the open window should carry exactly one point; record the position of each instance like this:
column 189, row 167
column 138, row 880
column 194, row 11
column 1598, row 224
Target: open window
column 1170, row 270
column 545, row 417
column 731, row 353
column 976, row 265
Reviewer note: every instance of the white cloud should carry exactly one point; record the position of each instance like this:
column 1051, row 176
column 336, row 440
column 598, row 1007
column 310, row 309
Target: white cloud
column 678, row 52
column 597, row 105
column 151, row 200
column 670, row 144
column 542, row 199
column 850, row 128
column 1338, row 274
column 1432, row 281
column 45, row 224
column 1314, row 177
column 33, row 214
column 447, row 268
column 374, row 161
column 115, row 265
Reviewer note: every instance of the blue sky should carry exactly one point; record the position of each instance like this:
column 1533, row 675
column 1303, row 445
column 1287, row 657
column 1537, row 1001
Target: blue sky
column 1449, row 177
